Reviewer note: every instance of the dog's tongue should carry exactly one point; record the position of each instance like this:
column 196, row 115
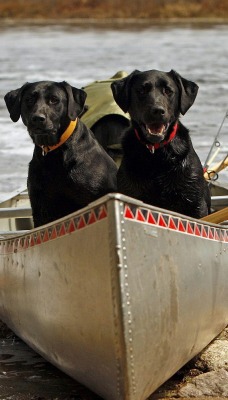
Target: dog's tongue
column 155, row 129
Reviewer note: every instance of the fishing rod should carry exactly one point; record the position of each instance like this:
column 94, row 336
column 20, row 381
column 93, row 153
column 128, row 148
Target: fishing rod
column 215, row 144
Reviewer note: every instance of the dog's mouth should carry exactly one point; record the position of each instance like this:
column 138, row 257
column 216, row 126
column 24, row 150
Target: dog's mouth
column 42, row 137
column 155, row 132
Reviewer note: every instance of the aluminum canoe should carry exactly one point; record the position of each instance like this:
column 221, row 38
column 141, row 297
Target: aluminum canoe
column 118, row 295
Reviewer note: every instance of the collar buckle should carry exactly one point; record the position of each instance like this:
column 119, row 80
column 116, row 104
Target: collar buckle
column 45, row 150
column 151, row 148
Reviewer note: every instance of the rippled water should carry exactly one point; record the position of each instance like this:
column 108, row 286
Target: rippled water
column 81, row 55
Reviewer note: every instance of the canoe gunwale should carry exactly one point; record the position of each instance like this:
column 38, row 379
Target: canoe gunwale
column 163, row 214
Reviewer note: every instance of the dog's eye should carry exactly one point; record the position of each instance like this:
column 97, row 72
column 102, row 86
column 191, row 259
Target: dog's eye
column 167, row 90
column 53, row 100
column 144, row 89
column 141, row 90
column 29, row 100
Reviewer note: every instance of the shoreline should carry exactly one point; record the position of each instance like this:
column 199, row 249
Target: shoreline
column 112, row 22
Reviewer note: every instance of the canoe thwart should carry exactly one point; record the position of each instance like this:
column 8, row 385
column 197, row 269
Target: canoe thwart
column 217, row 217
column 15, row 212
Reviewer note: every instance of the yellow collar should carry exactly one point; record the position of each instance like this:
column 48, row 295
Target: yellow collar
column 68, row 132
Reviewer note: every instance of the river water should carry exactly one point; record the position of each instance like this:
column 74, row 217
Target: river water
column 80, row 55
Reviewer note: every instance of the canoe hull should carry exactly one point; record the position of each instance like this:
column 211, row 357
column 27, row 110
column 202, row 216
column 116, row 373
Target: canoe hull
column 119, row 295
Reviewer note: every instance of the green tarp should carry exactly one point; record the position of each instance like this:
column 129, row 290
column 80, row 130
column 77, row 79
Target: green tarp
column 100, row 101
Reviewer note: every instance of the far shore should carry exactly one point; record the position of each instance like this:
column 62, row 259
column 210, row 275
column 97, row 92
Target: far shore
column 112, row 22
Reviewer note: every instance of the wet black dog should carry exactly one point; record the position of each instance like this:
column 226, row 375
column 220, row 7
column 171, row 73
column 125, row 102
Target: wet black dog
column 160, row 166
column 69, row 169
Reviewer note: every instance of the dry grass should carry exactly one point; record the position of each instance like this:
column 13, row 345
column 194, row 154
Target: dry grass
column 113, row 9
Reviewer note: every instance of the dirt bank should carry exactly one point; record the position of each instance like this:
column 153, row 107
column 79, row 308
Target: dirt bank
column 99, row 9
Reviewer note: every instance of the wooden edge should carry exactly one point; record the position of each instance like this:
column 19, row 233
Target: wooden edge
column 217, row 217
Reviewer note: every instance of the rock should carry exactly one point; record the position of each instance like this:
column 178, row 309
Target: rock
column 213, row 383
column 205, row 375
column 214, row 357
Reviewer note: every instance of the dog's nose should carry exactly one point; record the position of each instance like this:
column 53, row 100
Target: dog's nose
column 159, row 111
column 38, row 118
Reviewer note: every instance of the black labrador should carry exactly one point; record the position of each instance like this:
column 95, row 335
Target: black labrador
column 69, row 169
column 160, row 166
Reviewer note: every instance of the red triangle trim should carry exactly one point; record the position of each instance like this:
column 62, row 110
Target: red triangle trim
column 161, row 222
column 222, row 235
column 62, row 231
column 204, row 233
column 32, row 241
column 189, row 229
column 19, row 245
column 81, row 223
column 140, row 216
column 53, row 234
column 92, row 218
column 25, row 244
column 150, row 218
column 38, row 239
column 172, row 224
column 128, row 213
column 102, row 213
column 211, row 236
column 10, row 247
column 181, row 227
column 197, row 230
column 71, row 227
column 45, row 238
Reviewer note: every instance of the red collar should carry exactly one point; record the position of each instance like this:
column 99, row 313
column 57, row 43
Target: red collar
column 155, row 146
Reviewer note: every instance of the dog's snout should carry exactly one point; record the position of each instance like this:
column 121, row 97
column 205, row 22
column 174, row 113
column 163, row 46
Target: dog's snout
column 158, row 111
column 38, row 118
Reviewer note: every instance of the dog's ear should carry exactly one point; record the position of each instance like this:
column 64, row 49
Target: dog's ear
column 13, row 102
column 121, row 93
column 188, row 91
column 76, row 100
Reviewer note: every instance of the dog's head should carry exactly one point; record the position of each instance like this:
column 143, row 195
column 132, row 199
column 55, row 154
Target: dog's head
column 154, row 100
column 46, row 108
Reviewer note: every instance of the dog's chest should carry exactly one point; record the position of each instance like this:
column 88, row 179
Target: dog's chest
column 155, row 179
column 52, row 172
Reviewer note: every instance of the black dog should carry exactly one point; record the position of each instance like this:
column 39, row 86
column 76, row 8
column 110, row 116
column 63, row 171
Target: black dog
column 69, row 169
column 160, row 166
